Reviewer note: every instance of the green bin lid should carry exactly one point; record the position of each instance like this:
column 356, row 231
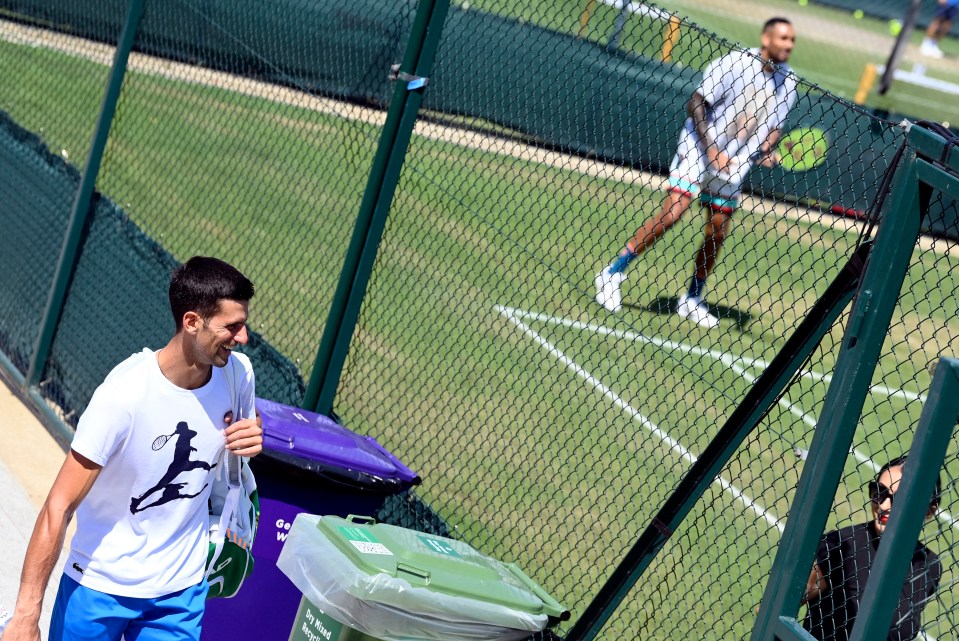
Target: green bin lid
column 440, row 564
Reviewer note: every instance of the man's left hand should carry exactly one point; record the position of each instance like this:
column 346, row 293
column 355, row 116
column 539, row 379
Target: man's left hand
column 245, row 437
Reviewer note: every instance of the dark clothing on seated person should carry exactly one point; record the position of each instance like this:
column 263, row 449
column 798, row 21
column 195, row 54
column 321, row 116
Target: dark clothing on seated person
column 845, row 558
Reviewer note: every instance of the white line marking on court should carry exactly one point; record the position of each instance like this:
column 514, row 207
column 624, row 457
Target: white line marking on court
column 636, row 415
column 922, row 80
column 738, row 364
column 640, row 9
column 726, row 359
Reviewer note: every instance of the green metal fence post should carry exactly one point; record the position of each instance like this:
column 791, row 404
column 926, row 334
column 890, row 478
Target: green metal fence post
column 367, row 232
column 748, row 413
column 862, row 342
column 80, row 212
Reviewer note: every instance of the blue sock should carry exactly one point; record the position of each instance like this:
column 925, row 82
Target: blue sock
column 696, row 286
column 622, row 262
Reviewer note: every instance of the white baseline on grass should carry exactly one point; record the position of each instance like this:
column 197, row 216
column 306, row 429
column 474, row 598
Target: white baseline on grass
column 640, row 9
column 636, row 415
column 738, row 364
column 918, row 77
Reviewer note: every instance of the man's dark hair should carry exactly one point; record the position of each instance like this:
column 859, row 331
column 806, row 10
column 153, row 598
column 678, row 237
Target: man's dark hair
column 201, row 283
column 772, row 22
column 900, row 461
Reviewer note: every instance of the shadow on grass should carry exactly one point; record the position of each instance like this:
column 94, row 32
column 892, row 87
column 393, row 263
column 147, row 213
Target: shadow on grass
column 665, row 305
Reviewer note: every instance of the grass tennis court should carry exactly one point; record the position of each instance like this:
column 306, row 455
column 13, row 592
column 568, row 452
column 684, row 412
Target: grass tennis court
column 508, row 363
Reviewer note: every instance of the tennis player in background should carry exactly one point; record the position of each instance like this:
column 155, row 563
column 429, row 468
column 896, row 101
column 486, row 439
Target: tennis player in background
column 734, row 122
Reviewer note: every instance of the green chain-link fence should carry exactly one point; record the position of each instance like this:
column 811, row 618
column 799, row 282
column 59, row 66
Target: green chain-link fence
column 218, row 146
column 546, row 429
column 571, row 426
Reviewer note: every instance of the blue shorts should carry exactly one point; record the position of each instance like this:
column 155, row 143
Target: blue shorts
column 82, row 614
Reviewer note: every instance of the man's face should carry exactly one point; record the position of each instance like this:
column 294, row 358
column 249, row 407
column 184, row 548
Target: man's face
column 881, row 500
column 218, row 335
column 778, row 42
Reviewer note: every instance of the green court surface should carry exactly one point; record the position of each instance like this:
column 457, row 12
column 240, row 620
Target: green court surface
column 613, row 407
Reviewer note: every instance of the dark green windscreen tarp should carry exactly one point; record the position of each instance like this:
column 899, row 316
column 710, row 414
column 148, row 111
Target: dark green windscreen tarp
column 118, row 296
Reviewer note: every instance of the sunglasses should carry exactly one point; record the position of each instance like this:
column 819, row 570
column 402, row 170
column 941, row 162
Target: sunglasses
column 878, row 493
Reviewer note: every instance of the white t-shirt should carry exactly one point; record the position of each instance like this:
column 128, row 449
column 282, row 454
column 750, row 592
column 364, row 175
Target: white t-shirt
column 142, row 531
column 745, row 102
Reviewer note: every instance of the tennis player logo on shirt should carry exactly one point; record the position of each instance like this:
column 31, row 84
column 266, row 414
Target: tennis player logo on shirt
column 166, row 490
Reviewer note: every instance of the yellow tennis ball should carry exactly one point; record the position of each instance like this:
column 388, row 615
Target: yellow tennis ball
column 803, row 3
column 895, row 27
column 858, row 14
column 803, row 149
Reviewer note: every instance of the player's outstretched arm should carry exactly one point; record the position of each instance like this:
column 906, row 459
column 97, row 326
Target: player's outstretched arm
column 72, row 484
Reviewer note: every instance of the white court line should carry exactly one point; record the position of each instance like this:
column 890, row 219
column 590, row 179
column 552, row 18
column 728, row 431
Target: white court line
column 737, row 363
column 636, row 415
column 922, row 80
column 640, row 9
column 723, row 357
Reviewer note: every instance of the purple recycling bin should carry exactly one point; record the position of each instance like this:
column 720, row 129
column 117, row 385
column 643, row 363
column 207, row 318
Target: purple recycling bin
column 312, row 464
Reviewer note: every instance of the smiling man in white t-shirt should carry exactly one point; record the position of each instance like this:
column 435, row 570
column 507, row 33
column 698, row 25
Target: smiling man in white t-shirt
column 734, row 123
column 138, row 476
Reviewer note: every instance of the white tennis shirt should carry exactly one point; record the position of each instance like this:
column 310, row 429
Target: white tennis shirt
column 142, row 531
column 746, row 102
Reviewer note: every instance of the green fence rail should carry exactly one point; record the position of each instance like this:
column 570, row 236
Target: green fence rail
column 870, row 319
column 547, row 430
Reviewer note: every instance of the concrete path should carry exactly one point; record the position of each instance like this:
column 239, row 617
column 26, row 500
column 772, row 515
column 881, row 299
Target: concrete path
column 29, row 461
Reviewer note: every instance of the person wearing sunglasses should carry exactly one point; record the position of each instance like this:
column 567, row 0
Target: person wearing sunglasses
column 845, row 557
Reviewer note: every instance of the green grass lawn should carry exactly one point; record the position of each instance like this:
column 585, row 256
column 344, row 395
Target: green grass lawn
column 541, row 434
